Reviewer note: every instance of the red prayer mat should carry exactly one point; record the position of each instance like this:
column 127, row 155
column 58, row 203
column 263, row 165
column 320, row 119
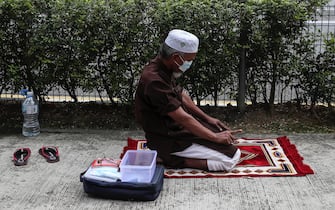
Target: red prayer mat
column 260, row 157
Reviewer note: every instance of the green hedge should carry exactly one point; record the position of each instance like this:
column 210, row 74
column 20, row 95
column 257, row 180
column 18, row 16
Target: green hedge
column 103, row 45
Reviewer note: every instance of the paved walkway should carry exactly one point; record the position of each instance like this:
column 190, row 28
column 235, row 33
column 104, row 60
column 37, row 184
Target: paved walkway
column 42, row 185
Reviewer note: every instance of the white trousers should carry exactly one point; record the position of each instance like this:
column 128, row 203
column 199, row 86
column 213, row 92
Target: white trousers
column 216, row 161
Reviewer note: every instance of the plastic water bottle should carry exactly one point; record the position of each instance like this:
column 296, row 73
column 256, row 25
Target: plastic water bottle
column 31, row 125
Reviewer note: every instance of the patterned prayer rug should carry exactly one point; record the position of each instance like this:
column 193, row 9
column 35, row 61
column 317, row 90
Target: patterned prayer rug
column 260, row 157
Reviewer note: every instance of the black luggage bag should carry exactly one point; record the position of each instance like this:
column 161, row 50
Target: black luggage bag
column 126, row 190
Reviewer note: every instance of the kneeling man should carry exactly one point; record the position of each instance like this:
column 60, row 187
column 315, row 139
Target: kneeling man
column 183, row 135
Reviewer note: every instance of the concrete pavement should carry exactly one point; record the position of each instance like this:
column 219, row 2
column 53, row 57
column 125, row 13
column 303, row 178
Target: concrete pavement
column 42, row 185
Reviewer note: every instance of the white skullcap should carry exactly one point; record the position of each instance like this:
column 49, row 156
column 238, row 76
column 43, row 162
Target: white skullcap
column 182, row 41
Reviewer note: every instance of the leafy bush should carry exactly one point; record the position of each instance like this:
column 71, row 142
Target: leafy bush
column 98, row 45
column 317, row 75
column 275, row 27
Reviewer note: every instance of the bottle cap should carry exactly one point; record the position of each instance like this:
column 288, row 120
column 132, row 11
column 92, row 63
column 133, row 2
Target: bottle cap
column 23, row 92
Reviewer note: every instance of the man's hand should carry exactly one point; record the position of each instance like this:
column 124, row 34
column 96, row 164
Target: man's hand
column 218, row 124
column 195, row 127
column 227, row 137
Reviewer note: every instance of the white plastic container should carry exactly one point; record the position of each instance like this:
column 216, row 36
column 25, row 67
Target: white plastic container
column 138, row 166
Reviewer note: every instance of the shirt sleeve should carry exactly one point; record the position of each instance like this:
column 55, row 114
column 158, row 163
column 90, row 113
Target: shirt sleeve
column 162, row 97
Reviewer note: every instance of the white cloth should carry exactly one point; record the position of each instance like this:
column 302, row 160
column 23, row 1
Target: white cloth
column 182, row 41
column 216, row 161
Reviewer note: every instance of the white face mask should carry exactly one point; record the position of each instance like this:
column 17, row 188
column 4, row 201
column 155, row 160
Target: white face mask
column 186, row 64
column 177, row 74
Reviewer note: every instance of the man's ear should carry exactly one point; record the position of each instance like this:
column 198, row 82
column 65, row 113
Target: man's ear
column 175, row 57
column 171, row 58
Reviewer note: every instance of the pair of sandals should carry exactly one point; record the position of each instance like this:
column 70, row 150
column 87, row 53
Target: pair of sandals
column 21, row 155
